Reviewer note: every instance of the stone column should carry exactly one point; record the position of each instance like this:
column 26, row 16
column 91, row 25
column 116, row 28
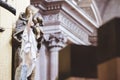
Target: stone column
column 55, row 43
column 41, row 65
column 54, row 57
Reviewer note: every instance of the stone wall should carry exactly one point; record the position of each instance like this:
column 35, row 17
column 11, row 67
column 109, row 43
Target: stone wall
column 7, row 21
column 108, row 9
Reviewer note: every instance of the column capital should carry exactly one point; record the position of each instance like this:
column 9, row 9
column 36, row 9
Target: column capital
column 56, row 41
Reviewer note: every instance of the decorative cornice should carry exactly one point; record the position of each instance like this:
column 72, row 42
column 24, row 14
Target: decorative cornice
column 66, row 25
column 96, row 13
column 54, row 6
column 50, row 5
column 71, row 18
column 51, row 18
column 63, row 19
column 91, row 7
column 52, row 0
column 74, row 28
column 83, row 13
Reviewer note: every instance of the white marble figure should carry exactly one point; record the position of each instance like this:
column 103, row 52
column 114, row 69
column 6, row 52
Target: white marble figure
column 27, row 33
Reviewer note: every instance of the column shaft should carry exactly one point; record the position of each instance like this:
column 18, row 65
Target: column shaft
column 54, row 65
column 43, row 63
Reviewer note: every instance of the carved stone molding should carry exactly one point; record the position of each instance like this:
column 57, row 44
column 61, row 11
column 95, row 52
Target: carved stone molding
column 75, row 28
column 56, row 40
column 77, row 5
column 68, row 24
column 52, row 0
column 76, row 20
column 90, row 9
column 54, row 7
column 52, row 18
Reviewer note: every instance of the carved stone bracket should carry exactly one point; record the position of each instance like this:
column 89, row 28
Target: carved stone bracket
column 56, row 41
column 93, row 40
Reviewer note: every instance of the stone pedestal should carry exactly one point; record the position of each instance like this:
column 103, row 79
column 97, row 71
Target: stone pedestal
column 109, row 50
column 109, row 70
column 83, row 62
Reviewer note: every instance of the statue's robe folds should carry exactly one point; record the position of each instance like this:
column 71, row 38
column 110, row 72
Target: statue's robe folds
column 27, row 55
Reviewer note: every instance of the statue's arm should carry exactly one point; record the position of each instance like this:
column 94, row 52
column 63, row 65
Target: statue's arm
column 20, row 25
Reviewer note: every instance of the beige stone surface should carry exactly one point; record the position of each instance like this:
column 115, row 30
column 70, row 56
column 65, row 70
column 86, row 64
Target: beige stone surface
column 7, row 21
column 20, row 6
column 5, row 44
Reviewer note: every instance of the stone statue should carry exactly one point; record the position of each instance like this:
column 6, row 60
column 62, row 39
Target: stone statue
column 27, row 34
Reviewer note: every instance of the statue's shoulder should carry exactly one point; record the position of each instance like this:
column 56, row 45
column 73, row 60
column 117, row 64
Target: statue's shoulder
column 22, row 16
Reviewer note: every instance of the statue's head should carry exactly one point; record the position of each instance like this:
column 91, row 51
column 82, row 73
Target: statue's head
column 31, row 10
column 37, row 18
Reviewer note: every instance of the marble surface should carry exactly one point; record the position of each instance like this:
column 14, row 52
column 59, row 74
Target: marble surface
column 108, row 9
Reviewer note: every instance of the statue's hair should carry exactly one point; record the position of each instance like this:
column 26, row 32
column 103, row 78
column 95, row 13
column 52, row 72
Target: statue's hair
column 32, row 8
